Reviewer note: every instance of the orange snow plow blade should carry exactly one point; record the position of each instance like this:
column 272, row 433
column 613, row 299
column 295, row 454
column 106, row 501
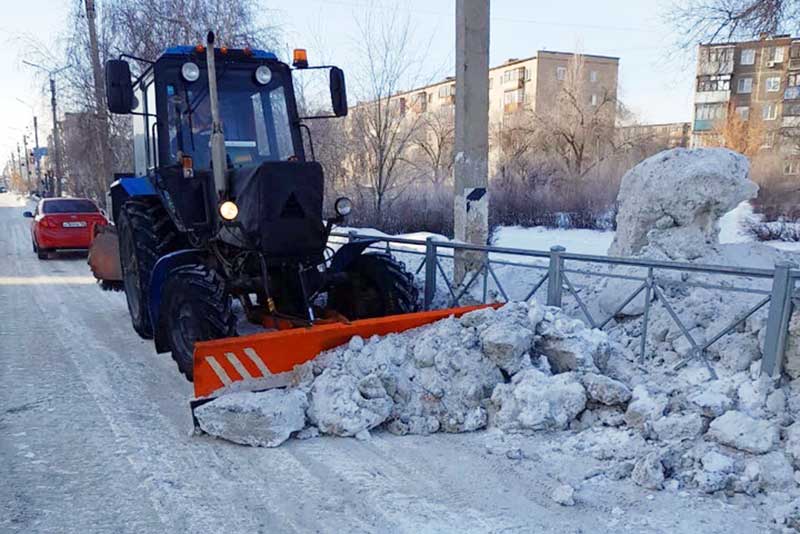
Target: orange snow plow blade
column 263, row 361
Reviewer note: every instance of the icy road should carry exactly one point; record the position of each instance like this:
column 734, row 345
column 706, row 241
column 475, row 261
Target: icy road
column 95, row 437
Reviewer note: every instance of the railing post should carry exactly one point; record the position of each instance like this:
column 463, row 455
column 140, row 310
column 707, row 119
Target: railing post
column 780, row 312
column 430, row 272
column 554, row 280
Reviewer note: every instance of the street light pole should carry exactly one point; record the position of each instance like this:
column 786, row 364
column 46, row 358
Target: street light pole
column 27, row 162
column 57, row 145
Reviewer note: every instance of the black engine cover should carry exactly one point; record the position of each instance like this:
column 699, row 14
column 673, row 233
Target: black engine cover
column 280, row 207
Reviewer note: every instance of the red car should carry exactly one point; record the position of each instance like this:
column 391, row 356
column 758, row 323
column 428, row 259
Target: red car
column 64, row 223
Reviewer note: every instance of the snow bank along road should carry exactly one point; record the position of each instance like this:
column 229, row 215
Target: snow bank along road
column 95, row 437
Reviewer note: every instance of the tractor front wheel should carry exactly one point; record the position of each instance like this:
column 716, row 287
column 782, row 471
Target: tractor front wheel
column 195, row 307
column 145, row 234
column 377, row 285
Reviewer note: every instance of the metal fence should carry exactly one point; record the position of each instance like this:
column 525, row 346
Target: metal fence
column 554, row 275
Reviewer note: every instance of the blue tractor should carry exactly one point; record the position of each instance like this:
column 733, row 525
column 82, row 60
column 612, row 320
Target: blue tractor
column 226, row 204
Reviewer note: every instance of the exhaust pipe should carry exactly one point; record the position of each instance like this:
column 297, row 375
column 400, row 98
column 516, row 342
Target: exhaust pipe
column 219, row 160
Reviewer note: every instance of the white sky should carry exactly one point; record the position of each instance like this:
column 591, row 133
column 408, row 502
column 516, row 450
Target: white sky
column 656, row 81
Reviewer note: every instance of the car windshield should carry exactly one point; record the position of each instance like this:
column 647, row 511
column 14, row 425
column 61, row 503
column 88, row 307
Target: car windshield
column 72, row 205
column 254, row 119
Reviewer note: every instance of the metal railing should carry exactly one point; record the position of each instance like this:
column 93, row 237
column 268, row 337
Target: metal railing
column 554, row 270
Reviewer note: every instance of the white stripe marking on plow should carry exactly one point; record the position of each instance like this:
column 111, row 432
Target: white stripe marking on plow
column 256, row 359
column 223, row 376
column 243, row 372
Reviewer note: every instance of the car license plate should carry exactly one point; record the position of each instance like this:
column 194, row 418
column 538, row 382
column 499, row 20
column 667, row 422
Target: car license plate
column 74, row 224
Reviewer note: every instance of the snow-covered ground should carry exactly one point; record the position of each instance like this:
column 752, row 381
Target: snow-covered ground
column 95, row 437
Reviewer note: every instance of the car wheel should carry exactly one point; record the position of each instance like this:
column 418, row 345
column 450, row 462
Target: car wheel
column 42, row 253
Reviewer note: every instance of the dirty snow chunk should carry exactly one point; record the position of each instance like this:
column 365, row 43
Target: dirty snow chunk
column 507, row 345
column 563, row 494
column 536, row 401
column 678, row 427
column 648, row 472
column 343, row 405
column 605, row 390
column 717, row 473
column 711, row 403
column 263, row 419
column 792, row 444
column 674, row 199
column 644, row 406
column 570, row 346
column 740, row 431
column 772, row 470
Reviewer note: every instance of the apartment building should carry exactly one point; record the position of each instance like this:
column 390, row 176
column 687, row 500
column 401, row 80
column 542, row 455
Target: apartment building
column 667, row 135
column 532, row 83
column 759, row 81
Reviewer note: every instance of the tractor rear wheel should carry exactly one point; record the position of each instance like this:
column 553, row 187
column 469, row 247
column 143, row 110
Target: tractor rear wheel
column 195, row 307
column 145, row 234
column 377, row 285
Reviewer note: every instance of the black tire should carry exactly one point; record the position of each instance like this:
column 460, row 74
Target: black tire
column 377, row 285
column 145, row 234
column 195, row 307
column 42, row 253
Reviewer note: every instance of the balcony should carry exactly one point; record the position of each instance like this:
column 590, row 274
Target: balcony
column 703, row 125
column 709, row 97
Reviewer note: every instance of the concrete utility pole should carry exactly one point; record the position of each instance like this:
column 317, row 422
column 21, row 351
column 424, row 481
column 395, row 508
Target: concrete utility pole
column 36, row 146
column 471, row 166
column 99, row 94
column 27, row 162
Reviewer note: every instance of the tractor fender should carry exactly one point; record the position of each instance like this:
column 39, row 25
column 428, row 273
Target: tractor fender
column 126, row 187
column 158, row 278
column 343, row 257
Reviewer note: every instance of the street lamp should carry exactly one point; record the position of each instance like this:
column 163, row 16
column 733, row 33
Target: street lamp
column 36, row 149
column 57, row 148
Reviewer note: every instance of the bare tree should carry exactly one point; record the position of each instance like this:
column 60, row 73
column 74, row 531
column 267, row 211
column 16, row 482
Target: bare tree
column 714, row 20
column 432, row 147
column 380, row 129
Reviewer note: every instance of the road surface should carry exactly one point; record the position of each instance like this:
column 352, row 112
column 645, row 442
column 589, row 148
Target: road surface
column 95, row 436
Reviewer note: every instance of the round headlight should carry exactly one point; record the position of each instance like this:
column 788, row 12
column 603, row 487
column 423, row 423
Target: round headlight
column 228, row 210
column 343, row 206
column 190, row 72
column 263, row 75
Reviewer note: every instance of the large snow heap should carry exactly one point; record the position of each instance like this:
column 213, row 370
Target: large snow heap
column 673, row 201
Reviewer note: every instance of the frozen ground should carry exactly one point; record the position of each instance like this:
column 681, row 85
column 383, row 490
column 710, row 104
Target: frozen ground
column 95, row 437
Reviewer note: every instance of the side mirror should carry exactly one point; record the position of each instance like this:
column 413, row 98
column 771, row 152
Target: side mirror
column 27, row 214
column 119, row 88
column 338, row 92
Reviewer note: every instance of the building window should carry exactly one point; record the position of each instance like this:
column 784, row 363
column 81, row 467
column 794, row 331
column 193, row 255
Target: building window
column 769, row 112
column 527, row 74
column 791, row 167
column 748, row 57
column 745, row 85
column 517, row 96
column 791, row 110
column 447, row 90
column 561, row 73
column 743, row 112
column 773, row 55
column 773, row 84
column 794, row 80
column 706, row 112
column 593, row 100
column 712, row 83
column 593, row 76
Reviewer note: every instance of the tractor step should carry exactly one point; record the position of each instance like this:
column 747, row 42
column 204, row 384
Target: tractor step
column 267, row 360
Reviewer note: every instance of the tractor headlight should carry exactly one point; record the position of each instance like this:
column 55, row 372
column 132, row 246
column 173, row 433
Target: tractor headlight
column 190, row 71
column 263, row 75
column 343, row 206
column 228, row 210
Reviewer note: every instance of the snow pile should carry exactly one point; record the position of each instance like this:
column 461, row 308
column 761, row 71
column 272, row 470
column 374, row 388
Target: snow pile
column 674, row 199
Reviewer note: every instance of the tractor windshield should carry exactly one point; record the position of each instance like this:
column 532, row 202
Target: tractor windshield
column 254, row 118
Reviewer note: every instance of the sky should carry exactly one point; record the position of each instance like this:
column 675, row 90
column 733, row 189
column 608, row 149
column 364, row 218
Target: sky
column 656, row 79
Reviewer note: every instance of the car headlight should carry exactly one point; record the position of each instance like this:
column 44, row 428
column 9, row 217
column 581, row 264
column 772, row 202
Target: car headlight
column 263, row 75
column 228, row 210
column 190, row 71
column 343, row 206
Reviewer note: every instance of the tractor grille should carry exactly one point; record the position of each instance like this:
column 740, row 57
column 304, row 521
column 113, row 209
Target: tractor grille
column 292, row 209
